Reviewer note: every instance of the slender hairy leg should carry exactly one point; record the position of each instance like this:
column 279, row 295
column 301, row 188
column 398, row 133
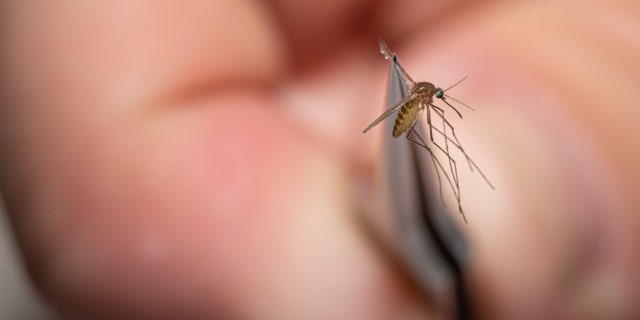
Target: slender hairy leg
column 452, row 162
column 456, row 143
column 439, row 167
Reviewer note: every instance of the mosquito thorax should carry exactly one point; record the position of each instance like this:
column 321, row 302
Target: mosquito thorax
column 423, row 90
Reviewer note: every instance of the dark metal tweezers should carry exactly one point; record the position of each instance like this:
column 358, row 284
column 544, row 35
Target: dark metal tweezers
column 434, row 248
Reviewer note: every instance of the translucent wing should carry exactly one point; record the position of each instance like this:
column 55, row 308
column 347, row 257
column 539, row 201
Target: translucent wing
column 384, row 50
column 388, row 112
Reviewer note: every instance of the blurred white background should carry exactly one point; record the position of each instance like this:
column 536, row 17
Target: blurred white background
column 18, row 298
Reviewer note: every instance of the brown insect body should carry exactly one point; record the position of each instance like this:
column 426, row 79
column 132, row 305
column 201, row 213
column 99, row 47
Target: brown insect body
column 421, row 95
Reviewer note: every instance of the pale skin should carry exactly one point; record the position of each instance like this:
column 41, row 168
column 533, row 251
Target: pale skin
column 198, row 159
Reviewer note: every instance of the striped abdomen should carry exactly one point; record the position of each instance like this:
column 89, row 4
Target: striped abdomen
column 406, row 116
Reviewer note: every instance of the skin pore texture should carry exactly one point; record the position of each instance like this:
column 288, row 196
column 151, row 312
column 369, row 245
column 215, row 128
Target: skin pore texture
column 196, row 160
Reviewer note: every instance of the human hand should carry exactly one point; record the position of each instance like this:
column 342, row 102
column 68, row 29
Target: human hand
column 194, row 159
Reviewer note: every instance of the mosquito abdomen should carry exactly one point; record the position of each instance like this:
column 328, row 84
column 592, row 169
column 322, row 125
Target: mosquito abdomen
column 406, row 116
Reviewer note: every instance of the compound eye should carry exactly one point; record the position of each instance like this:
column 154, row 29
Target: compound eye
column 439, row 94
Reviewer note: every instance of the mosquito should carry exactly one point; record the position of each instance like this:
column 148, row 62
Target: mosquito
column 419, row 99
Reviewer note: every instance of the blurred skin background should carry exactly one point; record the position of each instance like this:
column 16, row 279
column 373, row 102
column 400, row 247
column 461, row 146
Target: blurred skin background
column 198, row 159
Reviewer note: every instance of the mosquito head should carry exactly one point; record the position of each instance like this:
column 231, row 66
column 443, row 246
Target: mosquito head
column 439, row 93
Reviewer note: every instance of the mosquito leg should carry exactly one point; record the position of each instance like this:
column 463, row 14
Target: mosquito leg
column 455, row 185
column 452, row 162
column 438, row 165
column 446, row 123
column 458, row 145
column 423, row 144
column 453, row 167
column 457, row 142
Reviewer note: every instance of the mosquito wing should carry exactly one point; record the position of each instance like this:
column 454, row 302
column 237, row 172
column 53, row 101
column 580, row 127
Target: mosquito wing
column 393, row 58
column 387, row 113
column 385, row 50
